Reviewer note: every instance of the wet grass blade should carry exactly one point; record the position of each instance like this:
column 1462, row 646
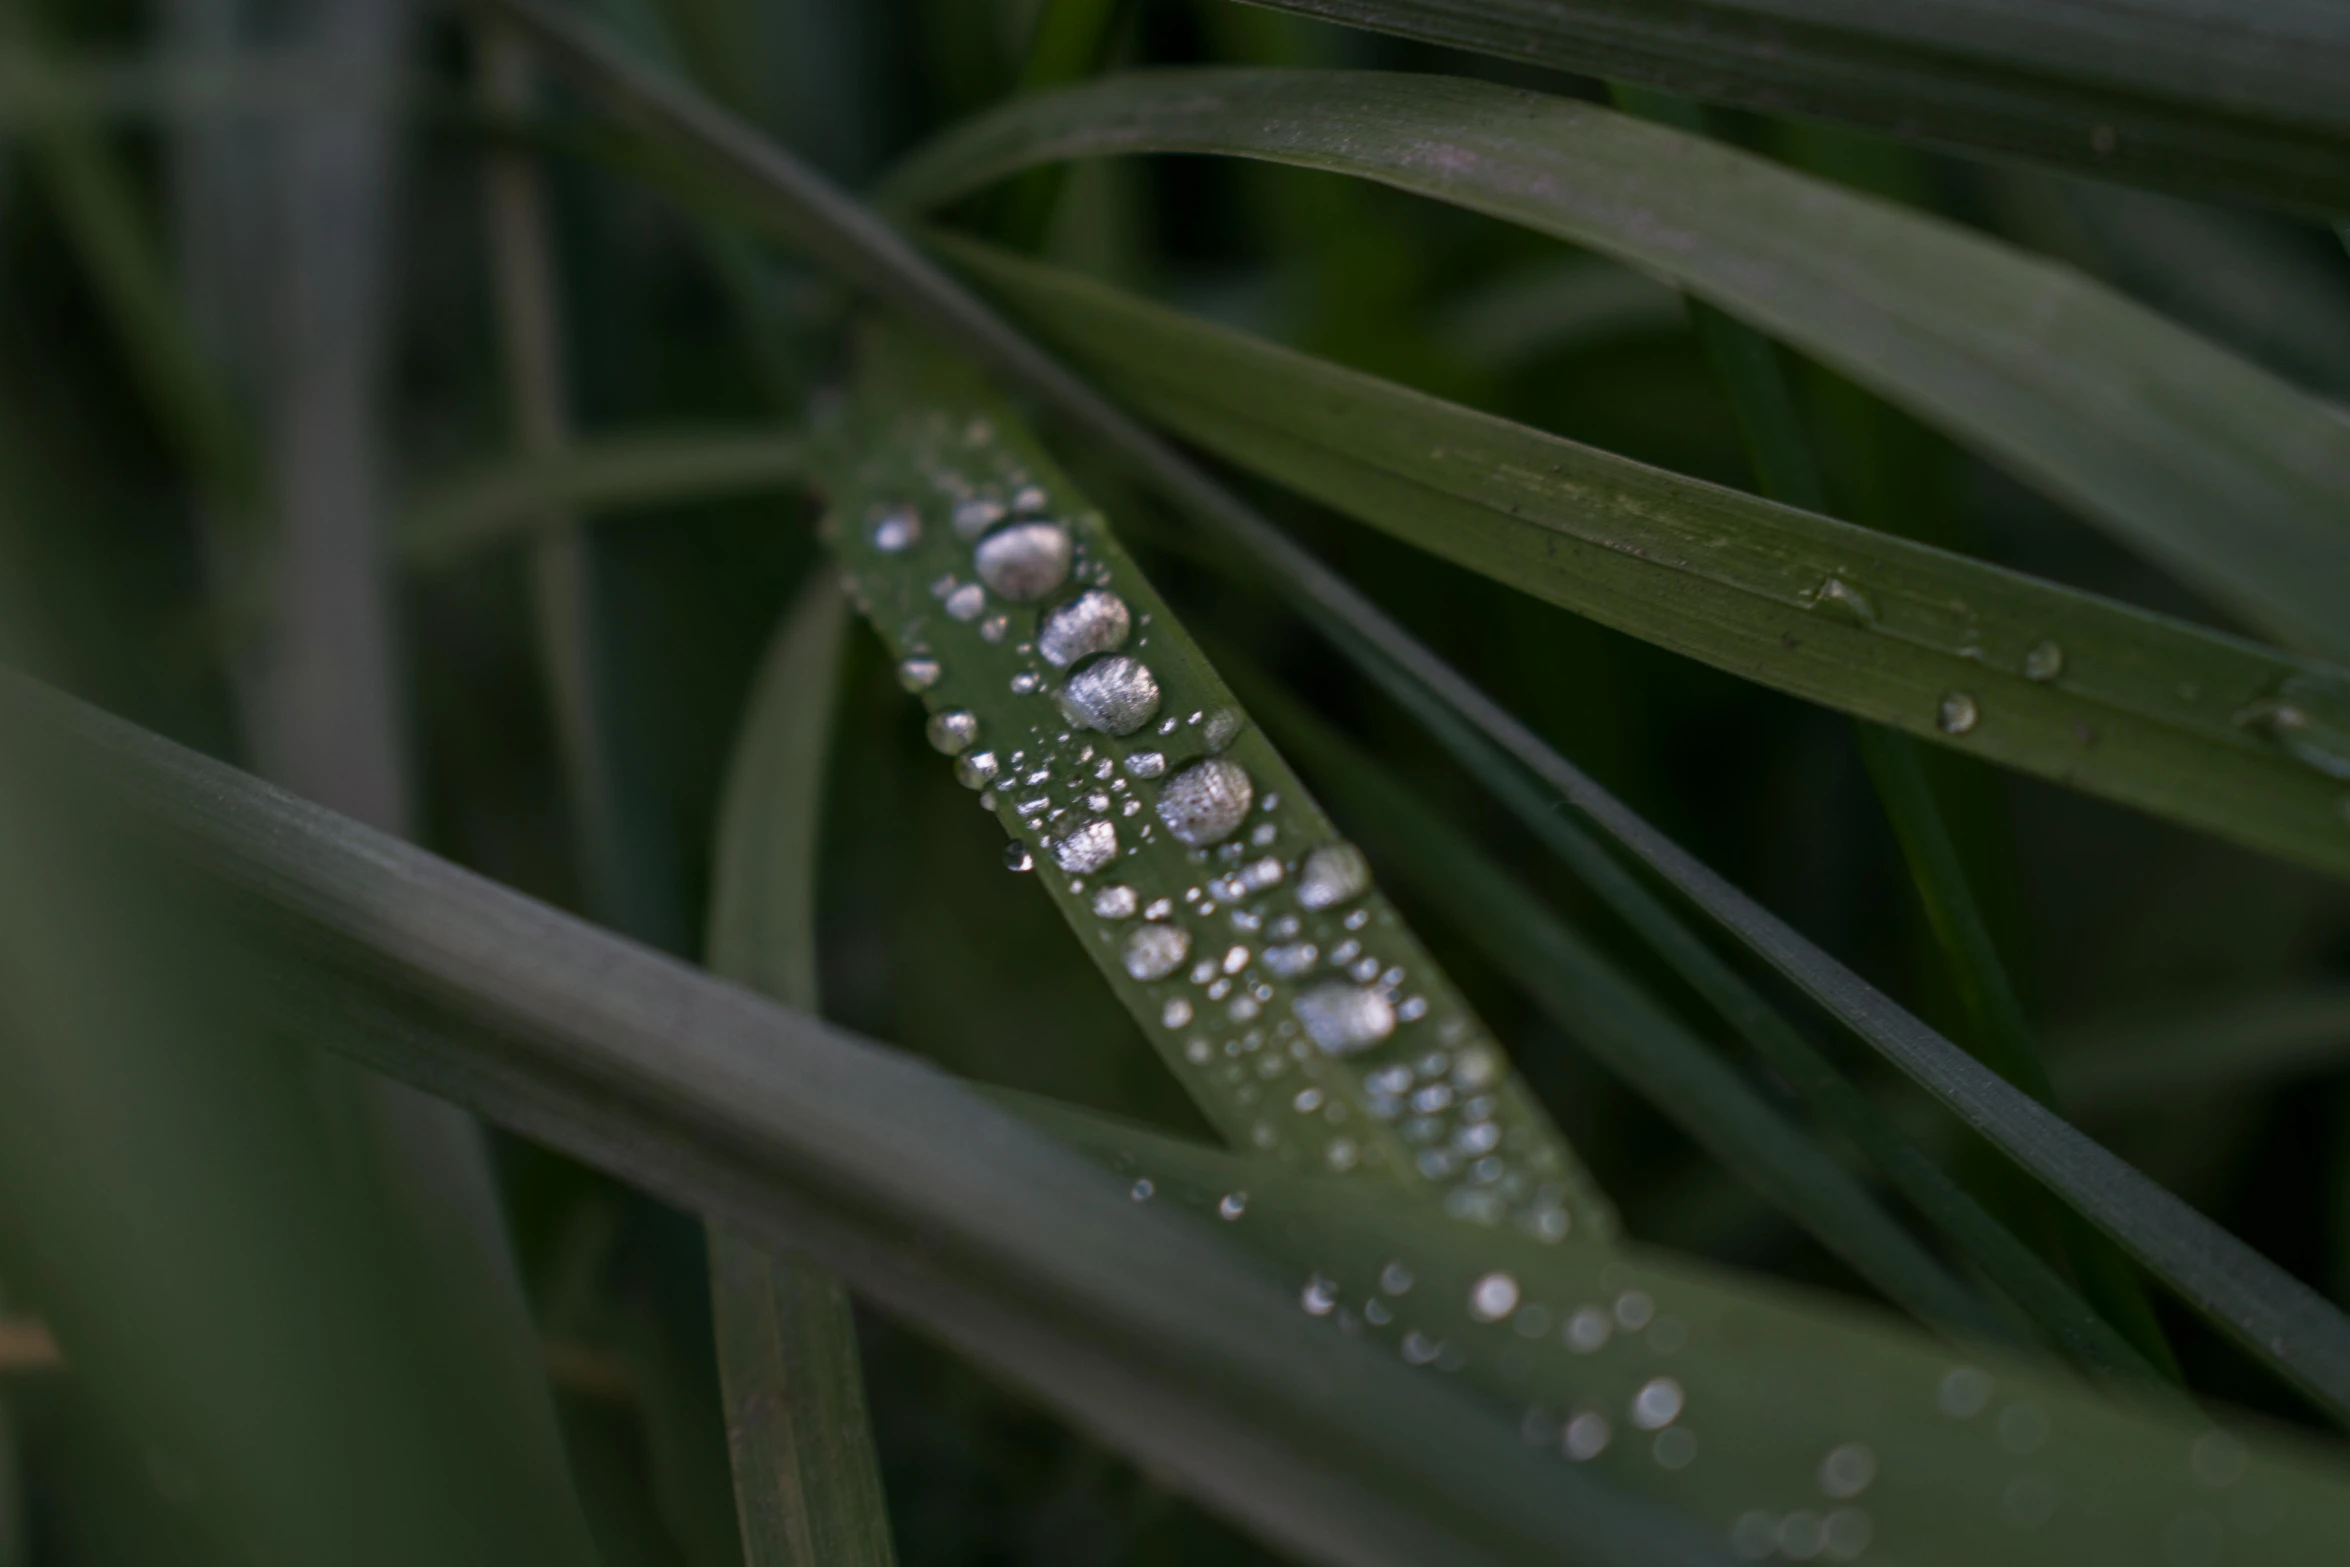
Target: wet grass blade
column 807, row 1481
column 2060, row 683
column 2207, row 464
column 1141, row 1325
column 1243, row 934
column 2278, row 1319
column 2226, row 101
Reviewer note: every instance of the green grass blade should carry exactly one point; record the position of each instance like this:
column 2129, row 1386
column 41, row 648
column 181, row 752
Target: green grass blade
column 1557, row 308
column 2234, row 102
column 807, row 1481
column 2115, row 1066
column 1140, row 1324
column 2274, row 1316
column 2215, row 468
column 2024, row 672
column 1072, row 39
column 1242, row 933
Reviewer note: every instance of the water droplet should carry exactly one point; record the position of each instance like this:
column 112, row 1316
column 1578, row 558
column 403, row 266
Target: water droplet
column 1206, row 802
column 975, row 516
column 974, row 771
column 1093, row 622
column 1158, row 908
column 1340, row 1155
column 2310, row 718
column 1319, row 1297
column 995, row 628
column 1116, row 695
column 1755, row 1536
column 1142, row 1190
column 1958, row 713
column 1017, row 857
column 1290, row 961
column 1232, row 1205
column 1847, row 1534
column 2043, row 661
column 1396, row 1278
column 1086, row 849
column 1634, row 1310
column 1024, row 561
column 1493, row 1297
column 965, row 602
column 1223, row 727
column 953, row 731
column 919, row 672
column 1588, row 1330
column 1586, row 1436
column 1116, row 902
column 1146, row 764
column 1657, row 1404
column 1840, row 600
column 1334, row 874
column 1419, row 1349
column 1027, row 683
column 1029, row 499
column 1343, row 1019
column 1156, row 951
column 1847, row 1471
column 896, row 530
column 1964, row 1393
column 1176, row 1013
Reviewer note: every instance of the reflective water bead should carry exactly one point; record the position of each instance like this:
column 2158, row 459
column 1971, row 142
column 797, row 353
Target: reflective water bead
column 1334, row 874
column 1024, row 561
column 1846, row 1534
column 1493, row 1297
column 1143, row 1190
column 1232, row 1205
column 1093, row 622
column 1175, row 1014
column 975, row 516
column 1588, row 1330
column 1223, row 727
column 1029, row 499
column 918, row 672
column 1842, row 601
column 1017, row 857
column 1634, row 1310
column 2043, row 661
column 1156, row 951
column 995, row 628
column 952, row 732
column 1586, row 1436
column 1319, row 1297
column 896, row 530
column 1847, row 1471
column 976, row 769
column 1964, row 1393
column 1206, row 802
column 1675, row 1448
column 965, row 602
column 1115, row 695
column 1657, row 1404
column 1396, row 1278
column 1291, row 961
column 1158, row 908
column 1116, row 902
column 1343, row 1019
column 1958, row 713
column 1027, row 683
column 1146, row 764
column 1087, row 848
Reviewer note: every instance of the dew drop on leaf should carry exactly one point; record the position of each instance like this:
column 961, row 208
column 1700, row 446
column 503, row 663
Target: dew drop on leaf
column 1093, row 622
column 1958, row 713
column 1342, row 1019
column 1206, row 802
column 1334, row 874
column 2043, row 661
column 896, row 530
column 1086, row 848
column 1023, row 561
column 919, row 672
column 953, row 731
column 1115, row 695
column 976, row 769
column 1156, row 951
column 1017, row 857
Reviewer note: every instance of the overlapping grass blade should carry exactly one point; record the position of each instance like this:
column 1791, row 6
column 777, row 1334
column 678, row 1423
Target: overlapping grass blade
column 2238, row 102
column 2275, row 1317
column 2213, row 467
column 2133, row 1063
column 939, row 1208
column 2053, row 681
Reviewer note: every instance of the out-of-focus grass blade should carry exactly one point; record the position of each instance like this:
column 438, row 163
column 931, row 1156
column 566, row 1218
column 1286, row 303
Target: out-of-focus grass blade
column 1139, row 1324
column 1070, row 41
column 1242, row 933
column 1557, row 309
column 2127, row 1064
column 2024, row 672
column 2217, row 469
column 2233, row 101
column 807, row 1482
column 2277, row 1318
column 452, row 520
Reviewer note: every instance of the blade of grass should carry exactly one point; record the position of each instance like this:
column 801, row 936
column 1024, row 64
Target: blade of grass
column 807, row 1480
column 1071, row 40
column 2117, row 1065
column 2059, row 683
column 2218, row 470
column 1140, row 1324
column 2279, row 1320
column 1557, row 309
column 2227, row 101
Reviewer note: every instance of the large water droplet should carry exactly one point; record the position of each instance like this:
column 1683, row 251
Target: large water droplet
column 1086, row 849
column 1116, row 695
column 1093, row 622
column 2310, row 718
column 952, row 732
column 2043, row 661
column 1958, row 713
column 1206, row 802
column 1342, row 1018
column 919, row 672
column 976, row 769
column 1840, row 600
column 1334, row 874
column 1156, row 951
column 1024, row 561
column 896, row 530
column 1116, row 902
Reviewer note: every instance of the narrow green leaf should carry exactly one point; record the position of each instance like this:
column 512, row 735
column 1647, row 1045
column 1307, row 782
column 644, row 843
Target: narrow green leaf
column 1071, row 40
column 807, row 1481
column 1557, row 308
column 2039, row 677
column 1140, row 1324
column 2209, row 465
column 2233, row 101
column 2119, row 1065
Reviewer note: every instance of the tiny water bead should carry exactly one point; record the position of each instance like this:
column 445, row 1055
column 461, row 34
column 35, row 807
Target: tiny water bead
column 1116, row 902
column 974, row 516
column 1847, row 1471
column 1493, row 1297
column 976, row 769
column 1222, row 728
column 1027, row 683
column 1087, row 849
column 1333, row 875
column 1232, row 1205
column 1017, row 857
column 1343, row 1019
column 2043, row 661
column 919, row 672
column 1958, row 713
column 1093, row 622
column 1586, row 1436
column 896, row 530
column 1023, row 561
column 1115, row 695
column 2309, row 717
column 1319, row 1297
column 1175, row 1014
column 1964, row 1393
column 952, row 732
column 1205, row 803
column 1155, row 951
column 1840, row 600
column 1658, row 1404
column 1147, row 764
column 965, row 602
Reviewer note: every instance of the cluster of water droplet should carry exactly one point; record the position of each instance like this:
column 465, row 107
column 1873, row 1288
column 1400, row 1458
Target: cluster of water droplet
column 1294, row 1000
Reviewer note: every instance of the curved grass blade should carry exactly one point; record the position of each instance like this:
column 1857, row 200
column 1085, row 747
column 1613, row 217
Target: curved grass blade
column 2279, row 1320
column 2213, row 467
column 807, row 1481
column 2036, row 676
column 1243, row 934
column 1557, row 309
column 1140, row 1324
column 2233, row 102
column 2123, row 1064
